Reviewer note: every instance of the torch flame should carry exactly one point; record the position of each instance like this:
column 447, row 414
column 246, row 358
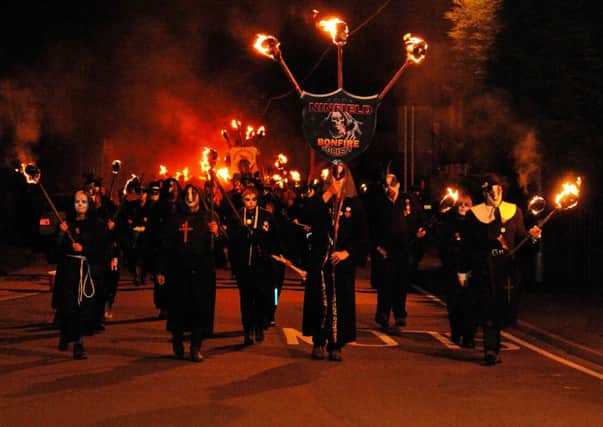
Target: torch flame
column 337, row 28
column 449, row 199
column 235, row 124
column 223, row 174
column 204, row 163
column 261, row 131
column 568, row 197
column 416, row 48
column 249, row 133
column 295, row 175
column 536, row 205
column 185, row 175
column 282, row 159
column 324, row 174
column 268, row 46
column 34, row 176
column 162, row 170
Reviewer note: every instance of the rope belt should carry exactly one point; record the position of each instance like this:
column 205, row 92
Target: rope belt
column 84, row 279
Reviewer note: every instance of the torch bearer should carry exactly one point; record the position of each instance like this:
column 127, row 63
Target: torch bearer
column 32, row 174
column 416, row 49
column 339, row 34
column 270, row 46
column 115, row 167
column 210, row 157
column 564, row 200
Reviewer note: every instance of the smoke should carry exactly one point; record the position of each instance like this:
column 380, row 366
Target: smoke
column 527, row 161
column 148, row 84
column 19, row 122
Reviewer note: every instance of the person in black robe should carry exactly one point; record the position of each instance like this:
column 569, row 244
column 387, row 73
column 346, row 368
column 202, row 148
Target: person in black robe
column 334, row 320
column 461, row 298
column 252, row 243
column 496, row 226
column 104, row 209
column 170, row 194
column 186, row 262
column 79, row 272
column 391, row 241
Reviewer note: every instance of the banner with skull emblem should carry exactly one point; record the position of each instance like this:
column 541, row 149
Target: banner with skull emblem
column 339, row 125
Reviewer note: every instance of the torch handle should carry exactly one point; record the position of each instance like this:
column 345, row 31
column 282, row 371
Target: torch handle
column 289, row 74
column 540, row 225
column 54, row 210
column 393, row 80
column 339, row 66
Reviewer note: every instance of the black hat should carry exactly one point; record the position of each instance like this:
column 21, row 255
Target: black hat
column 490, row 180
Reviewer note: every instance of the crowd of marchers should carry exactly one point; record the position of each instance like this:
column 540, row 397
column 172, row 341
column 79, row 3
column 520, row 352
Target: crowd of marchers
column 177, row 235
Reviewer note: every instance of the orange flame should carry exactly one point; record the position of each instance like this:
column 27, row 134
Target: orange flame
column 223, row 174
column 536, row 205
column 337, row 28
column 295, row 175
column 416, row 48
column 449, row 199
column 163, row 170
column 282, row 159
column 235, row 124
column 268, row 46
column 31, row 179
column 204, row 163
column 569, row 196
column 261, row 131
column 249, row 133
column 324, row 174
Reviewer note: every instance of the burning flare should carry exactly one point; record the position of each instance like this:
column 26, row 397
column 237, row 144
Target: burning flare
column 268, row 46
column 295, row 176
column 223, row 174
column 31, row 173
column 416, row 48
column 449, row 199
column 568, row 197
column 281, row 160
column 163, row 171
column 536, row 205
column 235, row 124
column 324, row 174
column 337, row 28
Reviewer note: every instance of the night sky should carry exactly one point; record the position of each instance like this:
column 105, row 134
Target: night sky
column 156, row 80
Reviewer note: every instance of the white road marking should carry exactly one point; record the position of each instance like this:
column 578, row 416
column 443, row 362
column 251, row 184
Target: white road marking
column 526, row 344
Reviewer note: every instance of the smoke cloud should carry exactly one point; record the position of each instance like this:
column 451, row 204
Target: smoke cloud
column 527, row 161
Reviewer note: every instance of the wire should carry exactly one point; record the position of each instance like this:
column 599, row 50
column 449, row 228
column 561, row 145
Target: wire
column 322, row 57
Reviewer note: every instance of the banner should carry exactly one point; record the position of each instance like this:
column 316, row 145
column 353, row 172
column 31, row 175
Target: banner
column 339, row 125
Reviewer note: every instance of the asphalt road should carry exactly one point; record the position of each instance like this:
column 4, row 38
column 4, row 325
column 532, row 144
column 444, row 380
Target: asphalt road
column 415, row 378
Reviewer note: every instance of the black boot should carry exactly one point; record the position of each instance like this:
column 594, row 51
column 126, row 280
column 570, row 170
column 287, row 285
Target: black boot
column 196, row 355
column 79, row 352
column 248, row 340
column 63, row 344
column 178, row 347
column 259, row 334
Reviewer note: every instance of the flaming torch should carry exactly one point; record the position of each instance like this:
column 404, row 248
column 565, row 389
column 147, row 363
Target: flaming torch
column 449, row 200
column 416, row 49
column 115, row 167
column 565, row 200
column 32, row 175
column 163, row 171
column 269, row 46
column 339, row 35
